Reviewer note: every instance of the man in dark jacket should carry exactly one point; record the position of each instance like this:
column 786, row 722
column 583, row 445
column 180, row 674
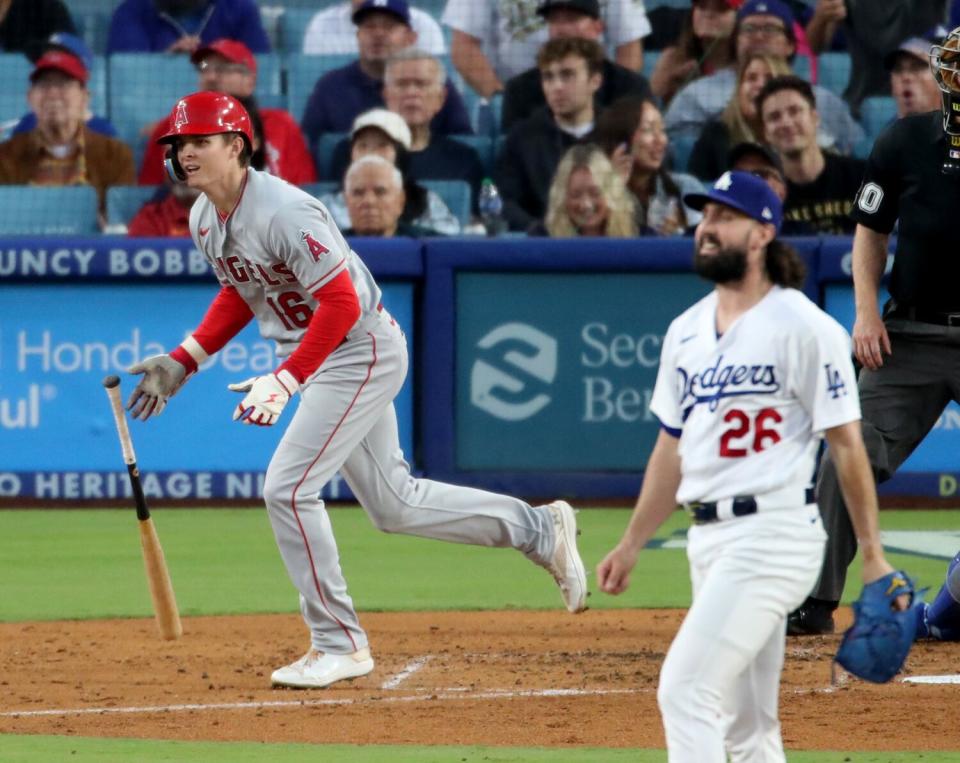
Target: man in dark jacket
column 569, row 18
column 571, row 72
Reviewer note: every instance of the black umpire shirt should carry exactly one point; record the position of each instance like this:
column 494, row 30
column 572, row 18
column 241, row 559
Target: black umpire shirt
column 824, row 205
column 903, row 180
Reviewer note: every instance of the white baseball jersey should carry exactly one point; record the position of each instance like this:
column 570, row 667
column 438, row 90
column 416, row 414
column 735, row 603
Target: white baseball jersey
column 277, row 247
column 752, row 404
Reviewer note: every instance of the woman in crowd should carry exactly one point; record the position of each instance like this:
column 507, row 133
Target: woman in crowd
column 701, row 48
column 588, row 198
column 739, row 122
column 384, row 133
column 631, row 133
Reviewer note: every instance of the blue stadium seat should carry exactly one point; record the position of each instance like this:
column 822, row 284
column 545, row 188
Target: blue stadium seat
column 801, row 67
column 14, row 73
column 485, row 116
column 323, row 156
column 876, row 112
column 303, row 73
column 144, row 87
column 483, row 146
column 48, row 210
column 94, row 28
column 269, row 80
column 456, row 195
column 124, row 201
column 433, row 7
column 293, row 23
column 650, row 58
column 681, row 148
column 834, row 71
column 320, row 189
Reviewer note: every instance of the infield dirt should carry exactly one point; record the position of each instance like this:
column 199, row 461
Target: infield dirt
column 514, row 678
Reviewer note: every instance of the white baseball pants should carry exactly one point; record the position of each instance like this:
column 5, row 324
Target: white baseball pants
column 346, row 421
column 720, row 681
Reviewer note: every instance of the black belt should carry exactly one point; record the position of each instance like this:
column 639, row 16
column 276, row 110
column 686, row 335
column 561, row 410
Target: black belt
column 743, row 505
column 924, row 316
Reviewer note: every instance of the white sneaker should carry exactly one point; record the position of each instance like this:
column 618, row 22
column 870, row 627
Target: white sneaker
column 317, row 669
column 565, row 564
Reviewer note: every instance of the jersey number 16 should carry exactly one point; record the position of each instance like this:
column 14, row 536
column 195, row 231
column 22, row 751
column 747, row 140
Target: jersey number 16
column 746, row 435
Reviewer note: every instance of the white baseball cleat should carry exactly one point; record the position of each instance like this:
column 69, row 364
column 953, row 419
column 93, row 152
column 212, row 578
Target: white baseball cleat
column 316, row 670
column 565, row 564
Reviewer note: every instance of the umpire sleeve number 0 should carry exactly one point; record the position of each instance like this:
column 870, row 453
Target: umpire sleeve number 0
column 870, row 197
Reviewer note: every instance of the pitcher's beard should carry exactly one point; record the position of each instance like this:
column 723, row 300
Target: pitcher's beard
column 725, row 266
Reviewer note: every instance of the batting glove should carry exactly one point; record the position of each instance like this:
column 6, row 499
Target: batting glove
column 162, row 377
column 266, row 397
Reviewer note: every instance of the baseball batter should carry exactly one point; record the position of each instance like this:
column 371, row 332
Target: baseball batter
column 280, row 258
column 749, row 379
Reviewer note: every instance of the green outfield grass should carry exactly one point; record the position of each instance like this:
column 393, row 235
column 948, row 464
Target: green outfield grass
column 59, row 564
column 30, row 749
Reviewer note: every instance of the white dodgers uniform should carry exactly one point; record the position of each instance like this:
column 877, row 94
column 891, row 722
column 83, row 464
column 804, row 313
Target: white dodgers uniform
column 277, row 248
column 750, row 408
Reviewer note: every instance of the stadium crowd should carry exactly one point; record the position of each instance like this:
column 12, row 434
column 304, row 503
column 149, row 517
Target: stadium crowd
column 590, row 117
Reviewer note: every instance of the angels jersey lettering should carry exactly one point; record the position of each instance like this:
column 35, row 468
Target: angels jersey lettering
column 751, row 405
column 277, row 248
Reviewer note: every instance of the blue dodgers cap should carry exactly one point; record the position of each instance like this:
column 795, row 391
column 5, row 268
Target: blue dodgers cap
column 744, row 192
column 768, row 8
column 398, row 8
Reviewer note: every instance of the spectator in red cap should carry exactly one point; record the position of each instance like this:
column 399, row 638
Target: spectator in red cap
column 183, row 26
column 25, row 25
column 68, row 43
column 702, row 47
column 228, row 66
column 61, row 149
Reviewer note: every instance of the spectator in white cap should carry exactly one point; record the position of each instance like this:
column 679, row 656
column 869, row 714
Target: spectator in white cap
column 380, row 132
column 331, row 31
column 383, row 28
column 911, row 82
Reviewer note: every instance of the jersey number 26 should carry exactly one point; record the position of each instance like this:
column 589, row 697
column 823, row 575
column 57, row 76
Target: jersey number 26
column 746, row 435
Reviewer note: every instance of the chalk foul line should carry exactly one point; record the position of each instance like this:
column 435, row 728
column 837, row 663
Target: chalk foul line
column 496, row 694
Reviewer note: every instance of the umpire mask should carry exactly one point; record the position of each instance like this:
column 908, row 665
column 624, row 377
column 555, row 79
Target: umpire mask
column 945, row 66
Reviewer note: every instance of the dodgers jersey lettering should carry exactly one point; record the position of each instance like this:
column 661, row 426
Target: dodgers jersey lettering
column 277, row 248
column 752, row 404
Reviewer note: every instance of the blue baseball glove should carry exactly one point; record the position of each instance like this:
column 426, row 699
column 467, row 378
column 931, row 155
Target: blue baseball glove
column 876, row 645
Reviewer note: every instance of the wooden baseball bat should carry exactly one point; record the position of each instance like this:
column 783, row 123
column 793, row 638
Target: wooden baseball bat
column 161, row 590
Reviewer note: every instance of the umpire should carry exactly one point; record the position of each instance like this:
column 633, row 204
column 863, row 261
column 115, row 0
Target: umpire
column 910, row 355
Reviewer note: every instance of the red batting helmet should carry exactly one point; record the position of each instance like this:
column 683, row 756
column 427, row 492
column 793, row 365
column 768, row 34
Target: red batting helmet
column 204, row 113
column 207, row 113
